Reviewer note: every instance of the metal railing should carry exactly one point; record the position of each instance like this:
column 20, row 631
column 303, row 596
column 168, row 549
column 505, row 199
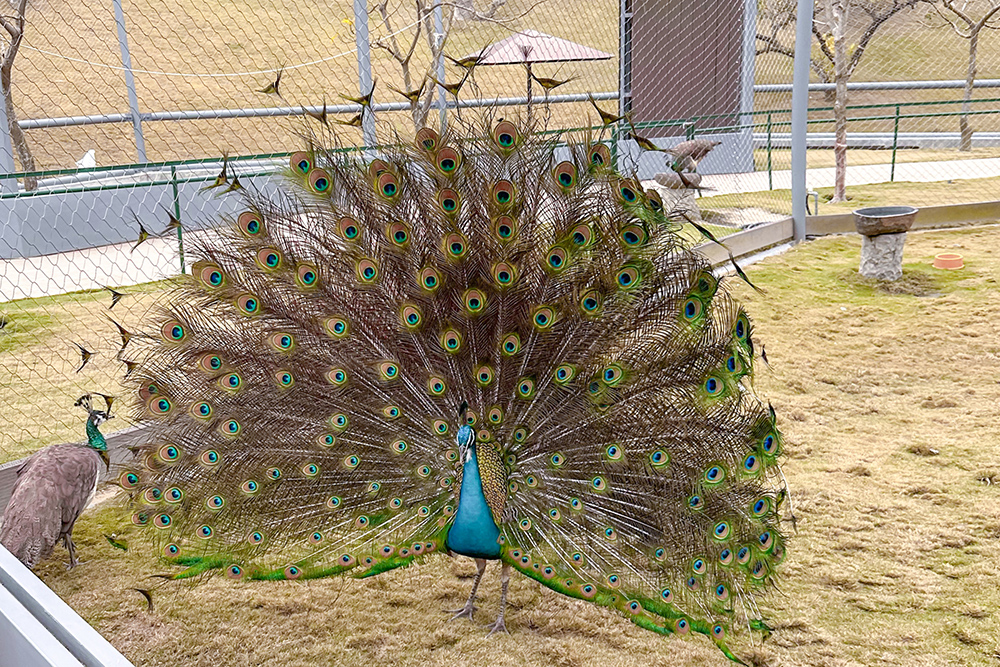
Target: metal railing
column 690, row 124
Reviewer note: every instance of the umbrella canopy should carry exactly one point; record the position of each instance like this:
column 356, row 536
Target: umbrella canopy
column 531, row 46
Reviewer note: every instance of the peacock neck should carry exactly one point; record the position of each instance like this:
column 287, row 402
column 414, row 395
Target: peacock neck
column 474, row 532
column 94, row 437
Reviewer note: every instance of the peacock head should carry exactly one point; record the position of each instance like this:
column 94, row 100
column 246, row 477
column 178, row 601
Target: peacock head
column 465, row 436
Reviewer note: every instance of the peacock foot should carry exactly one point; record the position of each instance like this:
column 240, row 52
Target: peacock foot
column 465, row 612
column 499, row 626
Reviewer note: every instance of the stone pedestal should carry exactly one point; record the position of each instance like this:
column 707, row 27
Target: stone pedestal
column 882, row 256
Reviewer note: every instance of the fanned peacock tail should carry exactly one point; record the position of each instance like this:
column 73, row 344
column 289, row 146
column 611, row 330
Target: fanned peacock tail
column 303, row 388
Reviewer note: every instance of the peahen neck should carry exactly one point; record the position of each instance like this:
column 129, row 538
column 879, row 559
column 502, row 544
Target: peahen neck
column 473, row 533
column 94, row 437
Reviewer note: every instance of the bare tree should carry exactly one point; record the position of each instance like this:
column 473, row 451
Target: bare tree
column 452, row 13
column 838, row 57
column 961, row 18
column 14, row 25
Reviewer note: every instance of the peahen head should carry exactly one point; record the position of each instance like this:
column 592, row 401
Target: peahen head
column 95, row 418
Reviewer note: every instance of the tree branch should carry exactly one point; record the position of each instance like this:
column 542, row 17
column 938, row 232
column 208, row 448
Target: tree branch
column 822, row 43
column 877, row 21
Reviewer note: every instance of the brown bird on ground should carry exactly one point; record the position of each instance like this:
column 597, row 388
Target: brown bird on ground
column 52, row 489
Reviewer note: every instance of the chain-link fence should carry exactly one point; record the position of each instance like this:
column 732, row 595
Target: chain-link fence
column 121, row 111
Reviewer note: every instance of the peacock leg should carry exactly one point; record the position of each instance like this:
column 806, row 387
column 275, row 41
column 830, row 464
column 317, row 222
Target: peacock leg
column 71, row 548
column 499, row 626
column 470, row 607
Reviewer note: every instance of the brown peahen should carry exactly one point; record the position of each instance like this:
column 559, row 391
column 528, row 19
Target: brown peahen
column 480, row 343
column 53, row 487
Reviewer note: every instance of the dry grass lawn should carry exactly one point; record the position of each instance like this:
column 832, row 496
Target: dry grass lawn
column 888, row 398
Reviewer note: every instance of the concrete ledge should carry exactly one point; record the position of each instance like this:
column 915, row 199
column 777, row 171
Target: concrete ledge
column 929, row 217
column 38, row 629
column 749, row 241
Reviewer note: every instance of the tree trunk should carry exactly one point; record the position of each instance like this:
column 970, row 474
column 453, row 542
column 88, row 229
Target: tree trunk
column 837, row 11
column 970, row 78
column 17, row 138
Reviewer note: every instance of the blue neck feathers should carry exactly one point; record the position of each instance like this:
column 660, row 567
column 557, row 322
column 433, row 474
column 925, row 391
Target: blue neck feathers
column 473, row 532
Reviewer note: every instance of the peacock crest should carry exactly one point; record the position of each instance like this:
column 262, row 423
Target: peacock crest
column 303, row 387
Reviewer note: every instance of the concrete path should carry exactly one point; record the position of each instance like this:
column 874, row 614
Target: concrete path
column 914, row 172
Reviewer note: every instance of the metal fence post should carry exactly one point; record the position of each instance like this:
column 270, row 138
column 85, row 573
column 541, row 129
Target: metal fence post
column 364, row 50
column 800, row 115
column 442, row 102
column 177, row 214
column 895, row 138
column 133, row 99
column 6, row 152
column 770, row 173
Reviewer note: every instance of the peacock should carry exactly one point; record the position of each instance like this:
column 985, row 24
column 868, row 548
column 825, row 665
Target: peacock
column 53, row 487
column 483, row 341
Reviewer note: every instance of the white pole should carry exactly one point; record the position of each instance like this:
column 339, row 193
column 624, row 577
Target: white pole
column 7, row 165
column 364, row 69
column 800, row 115
column 442, row 101
column 133, row 99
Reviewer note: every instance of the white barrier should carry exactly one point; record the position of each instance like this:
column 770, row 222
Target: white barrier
column 38, row 629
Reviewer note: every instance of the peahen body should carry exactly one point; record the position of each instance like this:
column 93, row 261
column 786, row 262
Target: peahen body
column 478, row 343
column 53, row 487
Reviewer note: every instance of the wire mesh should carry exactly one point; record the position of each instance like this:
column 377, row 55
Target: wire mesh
column 718, row 70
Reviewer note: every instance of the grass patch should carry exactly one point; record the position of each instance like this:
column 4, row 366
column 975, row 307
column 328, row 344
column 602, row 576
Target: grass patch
column 888, row 402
